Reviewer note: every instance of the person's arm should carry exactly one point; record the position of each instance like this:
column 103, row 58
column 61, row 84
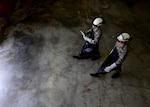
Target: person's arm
column 122, row 53
column 88, row 31
column 95, row 40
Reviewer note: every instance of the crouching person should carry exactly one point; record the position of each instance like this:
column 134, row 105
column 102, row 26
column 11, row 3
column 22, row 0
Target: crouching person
column 116, row 57
column 91, row 37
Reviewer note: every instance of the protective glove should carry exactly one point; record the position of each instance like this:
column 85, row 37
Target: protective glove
column 86, row 38
column 111, row 67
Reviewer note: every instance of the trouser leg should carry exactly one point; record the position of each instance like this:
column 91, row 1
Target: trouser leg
column 109, row 60
column 95, row 54
column 117, row 73
column 82, row 54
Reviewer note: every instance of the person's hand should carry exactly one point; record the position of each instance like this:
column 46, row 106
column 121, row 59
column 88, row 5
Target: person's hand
column 85, row 37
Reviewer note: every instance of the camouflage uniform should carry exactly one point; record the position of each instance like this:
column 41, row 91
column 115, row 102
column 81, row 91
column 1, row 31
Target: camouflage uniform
column 91, row 47
column 116, row 56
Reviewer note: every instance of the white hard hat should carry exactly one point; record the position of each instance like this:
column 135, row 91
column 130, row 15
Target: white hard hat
column 98, row 21
column 124, row 37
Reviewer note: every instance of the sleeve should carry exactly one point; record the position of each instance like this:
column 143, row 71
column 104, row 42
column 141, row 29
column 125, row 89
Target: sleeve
column 122, row 53
column 97, row 36
column 88, row 31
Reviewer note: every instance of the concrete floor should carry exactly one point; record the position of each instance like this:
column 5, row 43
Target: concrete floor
column 36, row 64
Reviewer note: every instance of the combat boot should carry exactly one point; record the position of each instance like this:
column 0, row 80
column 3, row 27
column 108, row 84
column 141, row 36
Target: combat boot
column 94, row 74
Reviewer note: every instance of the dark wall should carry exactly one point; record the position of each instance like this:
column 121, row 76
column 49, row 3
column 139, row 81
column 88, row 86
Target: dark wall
column 6, row 9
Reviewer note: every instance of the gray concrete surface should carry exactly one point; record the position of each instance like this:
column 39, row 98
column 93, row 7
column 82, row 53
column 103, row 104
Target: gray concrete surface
column 36, row 64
